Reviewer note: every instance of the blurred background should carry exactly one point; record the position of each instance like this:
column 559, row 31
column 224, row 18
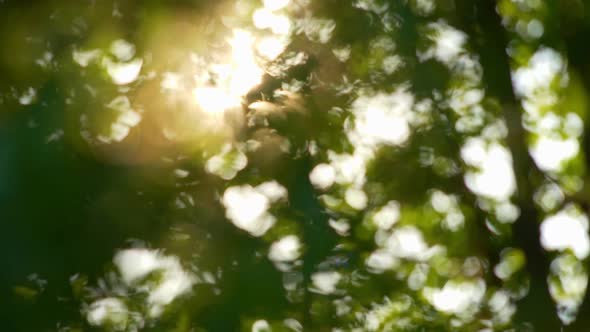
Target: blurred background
column 294, row 165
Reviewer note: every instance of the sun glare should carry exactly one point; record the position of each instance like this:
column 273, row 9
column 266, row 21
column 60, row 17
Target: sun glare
column 235, row 78
column 250, row 50
column 212, row 100
column 275, row 4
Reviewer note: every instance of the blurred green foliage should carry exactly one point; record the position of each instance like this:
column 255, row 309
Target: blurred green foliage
column 336, row 194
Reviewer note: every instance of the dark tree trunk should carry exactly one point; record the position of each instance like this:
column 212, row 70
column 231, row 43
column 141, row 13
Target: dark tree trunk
column 318, row 238
column 575, row 34
column 480, row 20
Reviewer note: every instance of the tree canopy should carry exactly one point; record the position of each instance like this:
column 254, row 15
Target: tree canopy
column 294, row 165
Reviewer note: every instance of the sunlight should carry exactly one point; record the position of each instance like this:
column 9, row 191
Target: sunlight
column 556, row 133
column 381, row 260
column 425, row 7
column 407, row 242
column 83, row 58
column 126, row 120
column 341, row 226
column 275, row 4
column 543, row 68
column 265, row 19
column 567, row 229
column 170, row 81
column 567, row 285
column 246, row 73
column 494, row 177
column 286, row 249
column 325, row 282
column 227, row 163
column 247, row 207
column 111, row 311
column 550, row 153
column 235, row 78
column 501, row 304
column 356, row 198
column 27, row 97
column 295, row 165
column 123, row 73
column 387, row 216
column 382, row 119
column 318, row 29
column 122, row 49
column 136, row 264
column 213, row 100
column 348, row 169
column 448, row 43
column 219, row 84
column 322, row 176
column 271, row 47
column 457, row 297
column 448, row 206
column 260, row 325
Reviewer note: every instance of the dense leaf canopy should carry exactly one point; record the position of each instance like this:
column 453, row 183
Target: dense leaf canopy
column 294, row 165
